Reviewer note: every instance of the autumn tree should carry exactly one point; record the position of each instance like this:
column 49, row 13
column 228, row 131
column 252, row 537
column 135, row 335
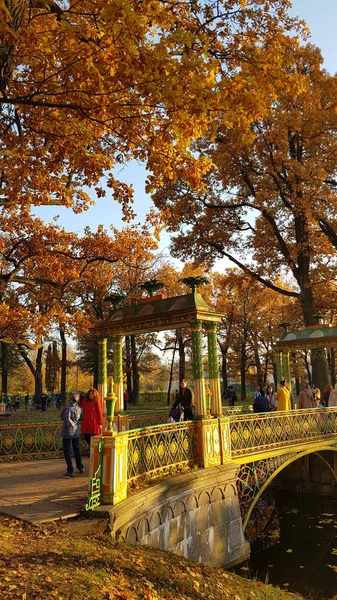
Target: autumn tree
column 249, row 328
column 88, row 85
column 270, row 206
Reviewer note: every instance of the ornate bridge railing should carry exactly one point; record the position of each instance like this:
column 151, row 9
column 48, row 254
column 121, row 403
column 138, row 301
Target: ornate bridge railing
column 252, row 435
column 147, row 418
column 159, row 450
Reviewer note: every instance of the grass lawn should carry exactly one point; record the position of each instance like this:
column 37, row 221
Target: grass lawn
column 77, row 560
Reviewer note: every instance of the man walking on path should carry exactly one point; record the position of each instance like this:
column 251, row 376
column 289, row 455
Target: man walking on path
column 72, row 416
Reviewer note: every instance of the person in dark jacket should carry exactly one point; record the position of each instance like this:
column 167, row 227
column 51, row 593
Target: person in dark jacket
column 72, row 416
column 261, row 403
column 184, row 399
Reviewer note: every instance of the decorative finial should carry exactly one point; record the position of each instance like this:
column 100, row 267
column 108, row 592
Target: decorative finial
column 194, row 282
column 151, row 286
column 319, row 319
column 285, row 326
column 115, row 299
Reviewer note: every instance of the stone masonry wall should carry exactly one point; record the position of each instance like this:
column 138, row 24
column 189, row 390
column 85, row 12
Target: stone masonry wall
column 195, row 515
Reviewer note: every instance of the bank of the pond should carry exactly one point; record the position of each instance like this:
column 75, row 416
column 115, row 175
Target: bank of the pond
column 298, row 548
column 76, row 560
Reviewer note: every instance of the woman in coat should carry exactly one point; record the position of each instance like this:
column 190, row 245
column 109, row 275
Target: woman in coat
column 306, row 398
column 92, row 415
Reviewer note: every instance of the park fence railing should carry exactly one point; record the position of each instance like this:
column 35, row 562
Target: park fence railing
column 42, row 440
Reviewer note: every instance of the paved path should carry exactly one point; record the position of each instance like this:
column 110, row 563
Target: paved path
column 35, row 491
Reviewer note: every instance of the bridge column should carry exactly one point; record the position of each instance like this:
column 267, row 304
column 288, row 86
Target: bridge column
column 118, row 373
column 102, row 369
column 279, row 370
column 198, row 370
column 286, row 367
column 213, row 369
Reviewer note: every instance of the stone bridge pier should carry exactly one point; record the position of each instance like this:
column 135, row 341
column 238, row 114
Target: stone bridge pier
column 195, row 515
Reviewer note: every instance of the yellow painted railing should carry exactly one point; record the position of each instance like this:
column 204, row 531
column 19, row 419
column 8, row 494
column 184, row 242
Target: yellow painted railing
column 155, row 451
column 242, row 438
column 256, row 434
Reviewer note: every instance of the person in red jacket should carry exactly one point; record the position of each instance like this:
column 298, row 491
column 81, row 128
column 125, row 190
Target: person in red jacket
column 92, row 415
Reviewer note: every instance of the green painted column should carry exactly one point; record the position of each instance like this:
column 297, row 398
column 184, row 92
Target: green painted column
column 286, row 368
column 102, row 369
column 198, row 370
column 118, row 373
column 213, row 369
column 279, row 369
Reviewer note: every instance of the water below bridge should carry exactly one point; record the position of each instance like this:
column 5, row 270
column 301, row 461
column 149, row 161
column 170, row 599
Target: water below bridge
column 297, row 550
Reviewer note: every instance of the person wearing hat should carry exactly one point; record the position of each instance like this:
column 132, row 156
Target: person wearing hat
column 72, row 416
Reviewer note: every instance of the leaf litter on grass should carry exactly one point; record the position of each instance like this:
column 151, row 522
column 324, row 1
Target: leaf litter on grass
column 54, row 561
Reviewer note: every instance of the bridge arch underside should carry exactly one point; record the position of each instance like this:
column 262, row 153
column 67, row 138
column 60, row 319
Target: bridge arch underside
column 255, row 477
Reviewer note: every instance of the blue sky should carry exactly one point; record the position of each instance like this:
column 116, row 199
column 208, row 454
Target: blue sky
column 321, row 18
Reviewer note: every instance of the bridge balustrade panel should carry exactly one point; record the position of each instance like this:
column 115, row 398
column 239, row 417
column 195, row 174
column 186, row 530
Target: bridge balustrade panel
column 146, row 419
column 32, row 440
column 246, row 435
column 161, row 450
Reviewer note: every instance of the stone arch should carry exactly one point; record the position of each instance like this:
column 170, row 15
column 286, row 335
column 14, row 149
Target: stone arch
column 230, row 490
column 179, row 508
column 192, row 503
column 280, row 468
column 155, row 520
column 167, row 513
column 204, row 498
column 217, row 494
column 143, row 527
column 131, row 536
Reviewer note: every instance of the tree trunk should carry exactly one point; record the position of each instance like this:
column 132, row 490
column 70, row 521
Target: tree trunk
column 182, row 362
column 38, row 374
column 243, row 372
column 274, row 372
column 319, row 363
column 171, row 373
column 307, row 368
column 135, row 372
column 128, row 369
column 224, row 374
column 320, row 369
column 333, row 366
column 95, row 371
column 4, row 369
column 258, row 366
column 266, row 362
column 36, row 370
column 294, row 362
column 63, row 364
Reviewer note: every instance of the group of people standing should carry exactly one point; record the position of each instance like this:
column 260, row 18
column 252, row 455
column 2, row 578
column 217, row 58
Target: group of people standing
column 309, row 397
column 266, row 400
column 81, row 416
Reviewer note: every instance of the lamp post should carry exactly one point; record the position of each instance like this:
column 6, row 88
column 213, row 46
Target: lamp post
column 110, row 400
